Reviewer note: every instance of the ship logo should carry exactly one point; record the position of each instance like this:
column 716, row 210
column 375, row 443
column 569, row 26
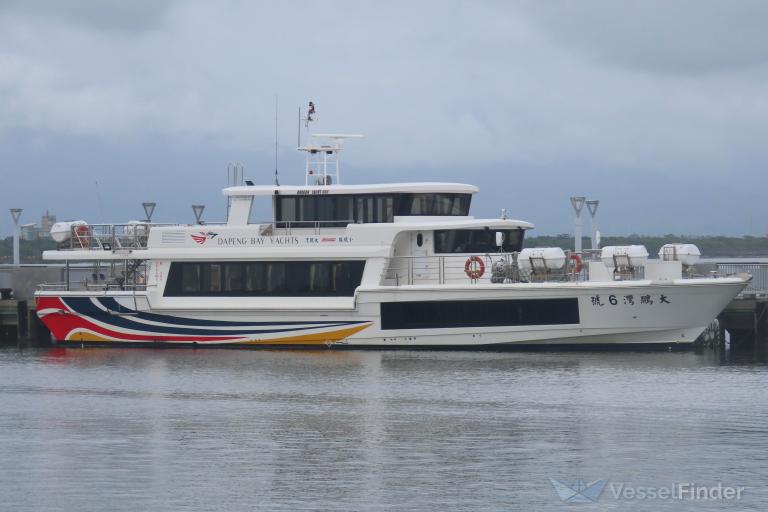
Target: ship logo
column 579, row 492
column 202, row 236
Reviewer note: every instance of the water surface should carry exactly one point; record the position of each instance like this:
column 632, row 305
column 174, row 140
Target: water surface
column 142, row 429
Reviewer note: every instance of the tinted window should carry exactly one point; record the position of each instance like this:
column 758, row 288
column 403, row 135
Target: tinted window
column 234, row 279
column 255, row 277
column 477, row 240
column 337, row 210
column 190, row 278
column 434, row 204
column 308, row 211
column 286, row 208
column 267, row 278
column 478, row 313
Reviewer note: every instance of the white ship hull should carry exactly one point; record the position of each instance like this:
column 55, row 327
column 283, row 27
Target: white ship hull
column 607, row 313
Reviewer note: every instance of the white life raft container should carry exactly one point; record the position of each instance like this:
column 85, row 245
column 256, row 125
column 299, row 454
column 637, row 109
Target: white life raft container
column 635, row 255
column 62, row 231
column 687, row 254
column 541, row 258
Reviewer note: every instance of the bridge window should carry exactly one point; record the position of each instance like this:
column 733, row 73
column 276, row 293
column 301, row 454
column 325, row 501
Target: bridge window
column 435, row 204
column 264, row 278
column 477, row 240
column 338, row 210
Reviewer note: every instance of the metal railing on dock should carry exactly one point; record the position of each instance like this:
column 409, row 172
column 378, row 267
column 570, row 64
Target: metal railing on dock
column 759, row 271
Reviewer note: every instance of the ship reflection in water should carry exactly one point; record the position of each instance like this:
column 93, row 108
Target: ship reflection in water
column 135, row 429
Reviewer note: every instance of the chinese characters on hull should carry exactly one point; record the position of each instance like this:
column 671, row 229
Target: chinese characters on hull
column 629, row 300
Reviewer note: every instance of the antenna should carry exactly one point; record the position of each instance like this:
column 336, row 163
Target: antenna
column 298, row 131
column 277, row 181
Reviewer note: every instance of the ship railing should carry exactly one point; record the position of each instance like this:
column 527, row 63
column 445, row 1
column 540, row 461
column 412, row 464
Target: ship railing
column 89, row 286
column 285, row 227
column 465, row 268
column 109, row 237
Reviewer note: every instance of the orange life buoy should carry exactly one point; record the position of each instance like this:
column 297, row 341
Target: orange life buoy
column 579, row 265
column 474, row 267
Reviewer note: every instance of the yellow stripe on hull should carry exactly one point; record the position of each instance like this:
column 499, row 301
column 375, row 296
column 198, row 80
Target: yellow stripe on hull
column 319, row 338
column 86, row 336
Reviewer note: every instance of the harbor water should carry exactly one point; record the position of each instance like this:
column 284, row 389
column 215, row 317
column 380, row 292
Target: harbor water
column 177, row 429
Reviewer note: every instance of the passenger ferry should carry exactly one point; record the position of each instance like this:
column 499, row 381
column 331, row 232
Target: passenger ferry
column 388, row 265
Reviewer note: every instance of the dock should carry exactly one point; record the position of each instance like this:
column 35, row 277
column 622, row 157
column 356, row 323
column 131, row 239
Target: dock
column 746, row 317
column 18, row 319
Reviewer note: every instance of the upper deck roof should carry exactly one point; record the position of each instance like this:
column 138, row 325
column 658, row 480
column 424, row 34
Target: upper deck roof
column 383, row 188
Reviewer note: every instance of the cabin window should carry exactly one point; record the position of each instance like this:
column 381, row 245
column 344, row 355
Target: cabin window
column 211, row 275
column 319, row 277
column 234, row 279
column 190, row 279
column 477, row 240
column 338, row 210
column 308, row 211
column 255, row 277
column 264, row 278
column 276, row 281
column 478, row 313
column 435, row 204
column 287, row 208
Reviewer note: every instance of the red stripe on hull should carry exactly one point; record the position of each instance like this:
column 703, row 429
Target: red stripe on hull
column 62, row 324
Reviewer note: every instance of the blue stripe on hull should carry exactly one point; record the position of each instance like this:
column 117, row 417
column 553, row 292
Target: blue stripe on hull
column 111, row 304
column 85, row 306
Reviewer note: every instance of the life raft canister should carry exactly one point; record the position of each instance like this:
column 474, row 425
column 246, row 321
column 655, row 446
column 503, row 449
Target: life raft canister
column 474, row 267
column 579, row 265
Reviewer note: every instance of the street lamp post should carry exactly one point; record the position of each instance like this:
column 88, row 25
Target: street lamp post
column 149, row 209
column 16, row 215
column 592, row 205
column 578, row 203
column 197, row 209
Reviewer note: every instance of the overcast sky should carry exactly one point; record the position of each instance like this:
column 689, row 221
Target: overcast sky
column 657, row 108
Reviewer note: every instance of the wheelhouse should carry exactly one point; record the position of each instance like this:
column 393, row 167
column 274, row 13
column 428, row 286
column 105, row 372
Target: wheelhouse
column 339, row 205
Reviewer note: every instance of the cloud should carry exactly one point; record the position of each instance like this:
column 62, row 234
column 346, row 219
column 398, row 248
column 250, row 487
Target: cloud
column 677, row 37
column 549, row 98
column 103, row 15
